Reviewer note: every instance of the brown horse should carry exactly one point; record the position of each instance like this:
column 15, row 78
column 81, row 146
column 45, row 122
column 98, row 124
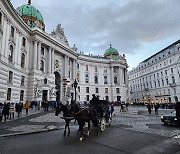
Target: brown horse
column 83, row 115
column 67, row 116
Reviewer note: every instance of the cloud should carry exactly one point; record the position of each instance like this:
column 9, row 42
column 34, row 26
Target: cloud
column 93, row 25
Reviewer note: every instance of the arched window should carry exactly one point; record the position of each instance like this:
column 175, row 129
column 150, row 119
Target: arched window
column 86, row 78
column 22, row 60
column 42, row 66
column 115, row 80
column 105, row 80
column 10, row 58
column 96, row 79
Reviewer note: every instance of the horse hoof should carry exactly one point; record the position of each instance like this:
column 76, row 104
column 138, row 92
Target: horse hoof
column 81, row 139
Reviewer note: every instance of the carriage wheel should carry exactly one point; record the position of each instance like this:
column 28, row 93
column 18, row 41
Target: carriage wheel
column 102, row 124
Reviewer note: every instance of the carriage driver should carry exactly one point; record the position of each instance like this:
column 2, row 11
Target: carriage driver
column 94, row 104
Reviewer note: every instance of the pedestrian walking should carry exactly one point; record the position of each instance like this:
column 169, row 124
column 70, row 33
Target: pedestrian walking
column 122, row 106
column 5, row 112
column 156, row 107
column 12, row 111
column 18, row 108
column 27, row 106
column 149, row 108
column 1, row 109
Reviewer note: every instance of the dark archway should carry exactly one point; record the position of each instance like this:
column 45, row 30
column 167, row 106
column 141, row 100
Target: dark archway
column 57, row 86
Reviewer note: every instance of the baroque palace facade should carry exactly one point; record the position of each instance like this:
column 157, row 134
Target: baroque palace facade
column 157, row 79
column 38, row 66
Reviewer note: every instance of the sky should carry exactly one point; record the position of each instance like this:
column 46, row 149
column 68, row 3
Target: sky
column 136, row 28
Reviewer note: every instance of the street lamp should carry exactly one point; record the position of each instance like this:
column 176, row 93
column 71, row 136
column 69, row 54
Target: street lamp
column 75, row 86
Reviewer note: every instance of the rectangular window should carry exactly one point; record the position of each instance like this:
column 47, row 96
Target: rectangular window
column 97, row 90
column 106, row 90
column 22, row 95
column 87, row 89
column 87, row 97
column 12, row 31
column 171, row 70
column 166, row 72
column 42, row 51
column 78, row 66
column 10, row 76
column 9, row 94
column 22, row 80
column 117, row 90
column 24, row 42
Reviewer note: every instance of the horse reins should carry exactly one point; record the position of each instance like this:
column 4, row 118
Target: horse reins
column 81, row 110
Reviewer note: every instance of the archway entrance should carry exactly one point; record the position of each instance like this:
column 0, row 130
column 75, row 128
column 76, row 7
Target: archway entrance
column 58, row 86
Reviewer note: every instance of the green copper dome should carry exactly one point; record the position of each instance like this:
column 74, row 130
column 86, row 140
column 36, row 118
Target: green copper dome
column 111, row 51
column 31, row 16
column 30, row 10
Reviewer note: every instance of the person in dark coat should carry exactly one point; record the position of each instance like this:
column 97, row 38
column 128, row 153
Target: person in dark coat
column 149, row 108
column 5, row 111
column 156, row 107
column 177, row 108
column 18, row 108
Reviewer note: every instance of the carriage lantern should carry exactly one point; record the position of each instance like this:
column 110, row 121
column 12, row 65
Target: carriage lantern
column 75, row 86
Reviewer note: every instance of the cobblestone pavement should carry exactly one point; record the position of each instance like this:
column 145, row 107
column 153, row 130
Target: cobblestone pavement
column 136, row 119
column 146, row 123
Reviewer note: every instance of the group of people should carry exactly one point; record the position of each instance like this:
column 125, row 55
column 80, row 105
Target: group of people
column 7, row 110
column 156, row 107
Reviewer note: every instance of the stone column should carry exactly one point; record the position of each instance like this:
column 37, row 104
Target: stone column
column 66, row 66
column 49, row 60
column 35, row 55
column 74, row 69
column 52, row 61
column 39, row 55
column 112, row 82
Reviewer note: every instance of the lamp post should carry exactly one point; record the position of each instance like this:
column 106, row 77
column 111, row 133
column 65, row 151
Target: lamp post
column 75, row 86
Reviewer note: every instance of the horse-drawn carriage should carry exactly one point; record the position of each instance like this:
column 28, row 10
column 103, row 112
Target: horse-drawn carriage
column 100, row 115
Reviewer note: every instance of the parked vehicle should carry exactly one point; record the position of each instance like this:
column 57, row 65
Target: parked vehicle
column 169, row 119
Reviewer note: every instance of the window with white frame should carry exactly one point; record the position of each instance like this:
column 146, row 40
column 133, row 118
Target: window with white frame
column 22, row 80
column 42, row 65
column 96, row 79
column 22, row 60
column 9, row 94
column 12, row 31
column 10, row 77
column 86, row 78
column 10, row 58
column 105, row 80
column 22, row 95
column 115, row 80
